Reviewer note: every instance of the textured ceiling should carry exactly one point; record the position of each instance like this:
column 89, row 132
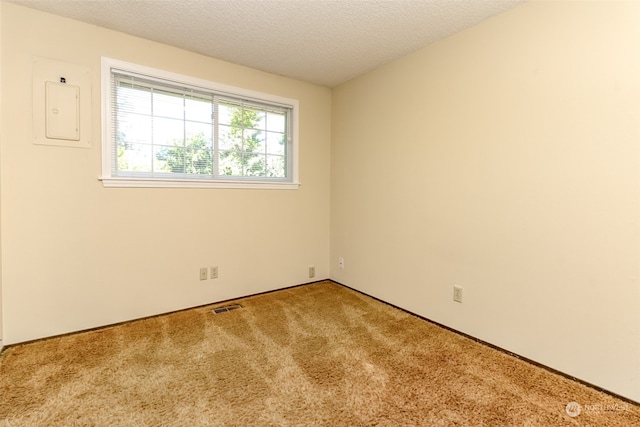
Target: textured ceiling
column 326, row 42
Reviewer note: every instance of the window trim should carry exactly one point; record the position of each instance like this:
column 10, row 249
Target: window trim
column 107, row 64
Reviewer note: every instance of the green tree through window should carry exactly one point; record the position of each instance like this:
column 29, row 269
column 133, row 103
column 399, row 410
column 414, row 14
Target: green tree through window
column 194, row 158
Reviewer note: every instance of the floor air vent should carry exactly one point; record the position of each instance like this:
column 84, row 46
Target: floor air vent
column 226, row 308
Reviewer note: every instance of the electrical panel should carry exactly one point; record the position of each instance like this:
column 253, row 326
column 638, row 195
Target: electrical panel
column 61, row 103
column 62, row 111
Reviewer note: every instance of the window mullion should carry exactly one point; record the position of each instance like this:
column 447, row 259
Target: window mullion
column 242, row 147
column 216, row 135
column 265, row 135
column 153, row 134
column 184, row 133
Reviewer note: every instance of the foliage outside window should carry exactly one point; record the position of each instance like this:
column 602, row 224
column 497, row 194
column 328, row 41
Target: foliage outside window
column 164, row 129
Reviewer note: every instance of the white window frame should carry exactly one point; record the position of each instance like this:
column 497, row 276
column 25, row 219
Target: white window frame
column 109, row 180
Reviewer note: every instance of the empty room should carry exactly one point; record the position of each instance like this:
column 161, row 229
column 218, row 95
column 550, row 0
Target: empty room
column 319, row 213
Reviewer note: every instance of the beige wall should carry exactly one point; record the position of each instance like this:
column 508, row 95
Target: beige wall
column 504, row 159
column 77, row 255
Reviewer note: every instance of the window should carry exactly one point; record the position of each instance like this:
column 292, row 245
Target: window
column 162, row 129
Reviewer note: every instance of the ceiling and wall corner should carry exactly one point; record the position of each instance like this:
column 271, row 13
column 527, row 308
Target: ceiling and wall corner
column 325, row 42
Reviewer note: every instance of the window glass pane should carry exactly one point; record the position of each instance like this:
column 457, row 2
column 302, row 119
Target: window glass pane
column 230, row 163
column 198, row 110
column 276, row 122
column 255, row 166
column 133, row 99
column 167, row 159
column 249, row 163
column 200, row 133
column 168, row 131
column 199, row 161
column 247, row 118
column 189, row 160
column 226, row 113
column 253, row 141
column 275, row 143
column 167, row 104
column 260, row 120
column 276, row 167
column 229, row 138
column 135, row 157
column 259, row 139
column 133, row 128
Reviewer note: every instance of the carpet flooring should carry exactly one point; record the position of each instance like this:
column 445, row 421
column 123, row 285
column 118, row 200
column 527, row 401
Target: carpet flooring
column 313, row 355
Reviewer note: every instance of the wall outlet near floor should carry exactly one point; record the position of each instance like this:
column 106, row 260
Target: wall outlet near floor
column 341, row 262
column 457, row 293
column 203, row 273
column 312, row 272
column 214, row 272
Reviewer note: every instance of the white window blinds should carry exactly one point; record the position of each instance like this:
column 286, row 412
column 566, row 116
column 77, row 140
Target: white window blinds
column 163, row 129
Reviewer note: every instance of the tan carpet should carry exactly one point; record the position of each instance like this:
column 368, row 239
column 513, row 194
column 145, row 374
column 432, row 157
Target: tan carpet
column 315, row 355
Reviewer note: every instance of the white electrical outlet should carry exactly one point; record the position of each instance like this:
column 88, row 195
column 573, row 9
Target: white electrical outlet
column 214, row 272
column 457, row 293
column 203, row 273
column 312, row 272
column 341, row 262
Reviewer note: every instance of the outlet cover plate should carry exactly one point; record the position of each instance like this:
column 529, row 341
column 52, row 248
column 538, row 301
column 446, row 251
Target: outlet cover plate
column 457, row 293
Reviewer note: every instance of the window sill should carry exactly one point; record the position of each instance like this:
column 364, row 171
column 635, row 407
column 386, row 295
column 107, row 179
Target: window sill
column 110, row 182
